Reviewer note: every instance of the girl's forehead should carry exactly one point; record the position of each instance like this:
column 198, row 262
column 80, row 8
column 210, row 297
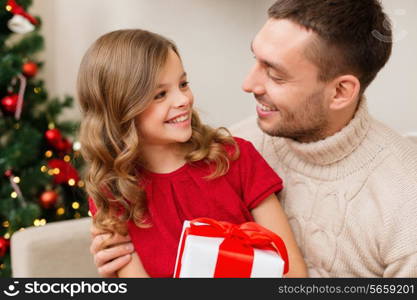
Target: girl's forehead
column 173, row 70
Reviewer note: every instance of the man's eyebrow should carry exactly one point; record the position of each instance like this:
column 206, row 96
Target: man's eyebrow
column 165, row 84
column 277, row 67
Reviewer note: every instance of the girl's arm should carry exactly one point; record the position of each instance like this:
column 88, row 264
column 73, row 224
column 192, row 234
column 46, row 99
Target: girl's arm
column 133, row 269
column 270, row 214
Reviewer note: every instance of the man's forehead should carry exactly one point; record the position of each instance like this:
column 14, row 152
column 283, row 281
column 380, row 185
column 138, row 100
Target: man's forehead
column 283, row 43
column 284, row 35
column 281, row 40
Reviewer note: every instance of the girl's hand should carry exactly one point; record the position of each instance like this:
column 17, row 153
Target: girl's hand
column 111, row 252
column 270, row 214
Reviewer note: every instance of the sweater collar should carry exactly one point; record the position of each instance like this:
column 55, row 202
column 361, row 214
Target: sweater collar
column 334, row 148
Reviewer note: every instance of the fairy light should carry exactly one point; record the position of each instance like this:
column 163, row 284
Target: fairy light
column 71, row 182
column 9, row 7
column 36, row 222
column 13, row 195
column 16, row 179
column 7, row 236
column 75, row 205
column 51, row 172
column 51, row 126
column 2, row 266
column 37, row 90
column 60, row 211
column 80, row 184
column 42, row 222
column 76, row 146
column 22, row 229
column 48, row 153
column 77, row 215
column 44, row 169
column 56, row 171
column 67, row 158
column 6, row 224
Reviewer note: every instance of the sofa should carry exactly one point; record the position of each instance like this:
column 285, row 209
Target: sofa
column 58, row 249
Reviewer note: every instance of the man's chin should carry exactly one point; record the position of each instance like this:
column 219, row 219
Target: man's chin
column 273, row 129
column 267, row 127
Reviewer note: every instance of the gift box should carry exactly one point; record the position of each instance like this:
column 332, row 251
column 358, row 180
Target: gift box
column 210, row 249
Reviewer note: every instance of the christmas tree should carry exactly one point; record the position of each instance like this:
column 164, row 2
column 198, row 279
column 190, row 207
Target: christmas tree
column 39, row 164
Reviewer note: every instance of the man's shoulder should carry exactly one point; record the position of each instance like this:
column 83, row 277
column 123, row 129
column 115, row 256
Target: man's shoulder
column 399, row 146
column 400, row 153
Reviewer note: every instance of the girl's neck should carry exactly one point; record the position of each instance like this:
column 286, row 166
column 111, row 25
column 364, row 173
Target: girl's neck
column 164, row 158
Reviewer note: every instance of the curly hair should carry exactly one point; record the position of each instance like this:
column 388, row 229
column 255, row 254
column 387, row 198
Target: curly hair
column 118, row 69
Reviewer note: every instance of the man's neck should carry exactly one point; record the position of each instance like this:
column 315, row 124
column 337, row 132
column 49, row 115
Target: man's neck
column 336, row 122
column 336, row 155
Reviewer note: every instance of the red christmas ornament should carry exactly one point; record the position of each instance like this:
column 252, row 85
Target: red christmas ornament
column 4, row 246
column 53, row 136
column 63, row 145
column 66, row 171
column 55, row 139
column 48, row 199
column 8, row 173
column 9, row 103
column 30, row 69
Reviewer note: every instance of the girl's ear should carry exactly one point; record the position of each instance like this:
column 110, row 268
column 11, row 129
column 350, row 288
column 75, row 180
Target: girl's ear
column 345, row 91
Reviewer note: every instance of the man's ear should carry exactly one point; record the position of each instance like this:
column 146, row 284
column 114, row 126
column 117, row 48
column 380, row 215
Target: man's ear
column 345, row 91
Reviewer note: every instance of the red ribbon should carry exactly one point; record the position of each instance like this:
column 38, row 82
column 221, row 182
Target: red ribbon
column 236, row 252
column 18, row 10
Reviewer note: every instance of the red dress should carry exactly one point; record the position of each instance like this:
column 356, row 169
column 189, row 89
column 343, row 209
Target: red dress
column 185, row 195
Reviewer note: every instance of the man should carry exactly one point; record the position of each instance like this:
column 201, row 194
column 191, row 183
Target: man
column 350, row 182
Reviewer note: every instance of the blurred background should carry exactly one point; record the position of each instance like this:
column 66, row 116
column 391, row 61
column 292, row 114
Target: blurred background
column 214, row 37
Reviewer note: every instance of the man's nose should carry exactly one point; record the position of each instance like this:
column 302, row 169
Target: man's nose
column 253, row 82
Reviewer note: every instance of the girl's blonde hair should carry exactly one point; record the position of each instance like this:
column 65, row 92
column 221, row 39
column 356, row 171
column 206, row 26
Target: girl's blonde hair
column 116, row 83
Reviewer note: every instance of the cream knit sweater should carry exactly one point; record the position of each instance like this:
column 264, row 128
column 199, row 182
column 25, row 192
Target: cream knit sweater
column 351, row 198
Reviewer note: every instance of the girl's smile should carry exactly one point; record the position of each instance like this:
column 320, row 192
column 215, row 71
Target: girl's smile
column 181, row 120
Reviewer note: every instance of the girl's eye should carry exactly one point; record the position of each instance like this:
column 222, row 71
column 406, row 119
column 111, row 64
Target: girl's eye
column 184, row 84
column 160, row 95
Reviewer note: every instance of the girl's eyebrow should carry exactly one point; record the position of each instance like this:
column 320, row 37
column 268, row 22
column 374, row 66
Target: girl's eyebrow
column 165, row 84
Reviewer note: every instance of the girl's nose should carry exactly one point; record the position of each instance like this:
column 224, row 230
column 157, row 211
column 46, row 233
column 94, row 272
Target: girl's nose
column 183, row 99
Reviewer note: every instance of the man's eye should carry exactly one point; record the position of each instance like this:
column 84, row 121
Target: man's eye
column 276, row 79
column 160, row 95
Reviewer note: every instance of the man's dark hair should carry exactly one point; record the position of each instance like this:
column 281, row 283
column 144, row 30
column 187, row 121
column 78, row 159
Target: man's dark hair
column 354, row 36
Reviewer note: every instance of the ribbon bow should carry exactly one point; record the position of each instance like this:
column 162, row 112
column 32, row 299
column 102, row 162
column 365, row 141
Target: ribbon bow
column 239, row 238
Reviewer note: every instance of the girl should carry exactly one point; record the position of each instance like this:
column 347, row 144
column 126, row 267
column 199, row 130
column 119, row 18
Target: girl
column 151, row 163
